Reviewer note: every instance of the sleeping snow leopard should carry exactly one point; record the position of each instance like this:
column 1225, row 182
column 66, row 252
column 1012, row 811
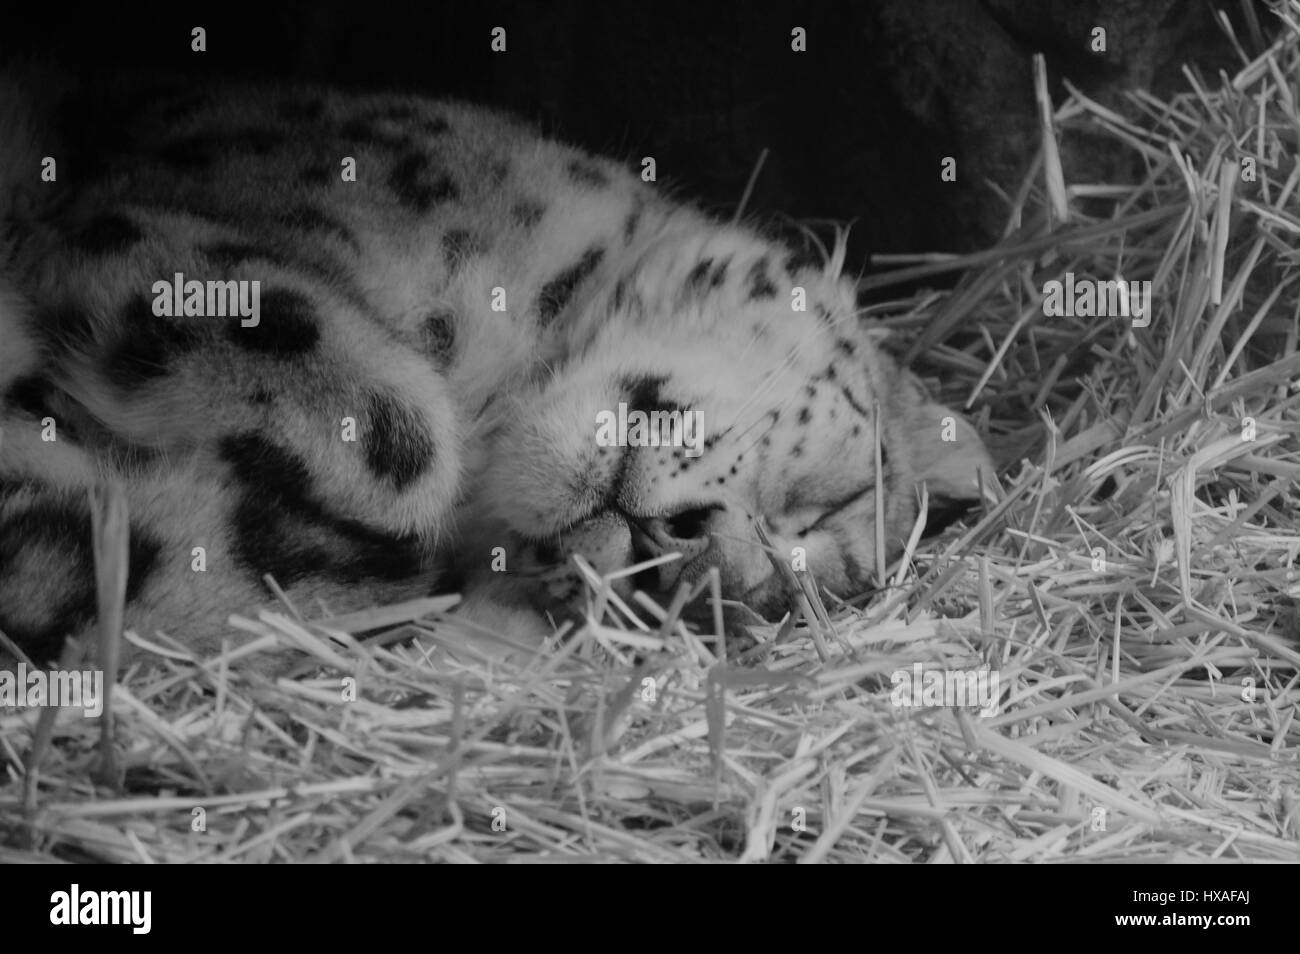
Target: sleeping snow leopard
column 447, row 305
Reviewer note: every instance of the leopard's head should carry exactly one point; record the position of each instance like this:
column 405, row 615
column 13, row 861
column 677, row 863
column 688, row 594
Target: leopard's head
column 710, row 389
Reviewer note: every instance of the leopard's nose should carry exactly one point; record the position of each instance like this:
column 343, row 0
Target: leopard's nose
column 688, row 532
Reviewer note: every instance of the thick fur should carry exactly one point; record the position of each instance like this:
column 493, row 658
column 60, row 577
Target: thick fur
column 469, row 304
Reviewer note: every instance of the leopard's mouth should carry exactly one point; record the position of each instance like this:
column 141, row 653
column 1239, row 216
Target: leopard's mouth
column 559, row 587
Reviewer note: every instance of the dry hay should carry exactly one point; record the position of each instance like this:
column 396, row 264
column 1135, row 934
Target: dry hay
column 1133, row 582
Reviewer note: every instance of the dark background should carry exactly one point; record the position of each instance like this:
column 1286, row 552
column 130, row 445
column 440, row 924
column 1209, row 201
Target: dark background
column 856, row 126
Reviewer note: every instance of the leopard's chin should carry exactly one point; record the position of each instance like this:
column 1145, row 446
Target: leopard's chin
column 566, row 597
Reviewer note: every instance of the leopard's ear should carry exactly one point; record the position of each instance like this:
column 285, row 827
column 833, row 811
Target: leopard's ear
column 948, row 455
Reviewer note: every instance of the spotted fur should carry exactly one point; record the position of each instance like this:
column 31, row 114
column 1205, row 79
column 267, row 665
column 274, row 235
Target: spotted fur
column 436, row 340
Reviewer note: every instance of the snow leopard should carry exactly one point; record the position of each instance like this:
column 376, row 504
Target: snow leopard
column 369, row 346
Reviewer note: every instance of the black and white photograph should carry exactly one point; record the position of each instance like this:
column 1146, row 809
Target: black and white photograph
column 664, row 432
